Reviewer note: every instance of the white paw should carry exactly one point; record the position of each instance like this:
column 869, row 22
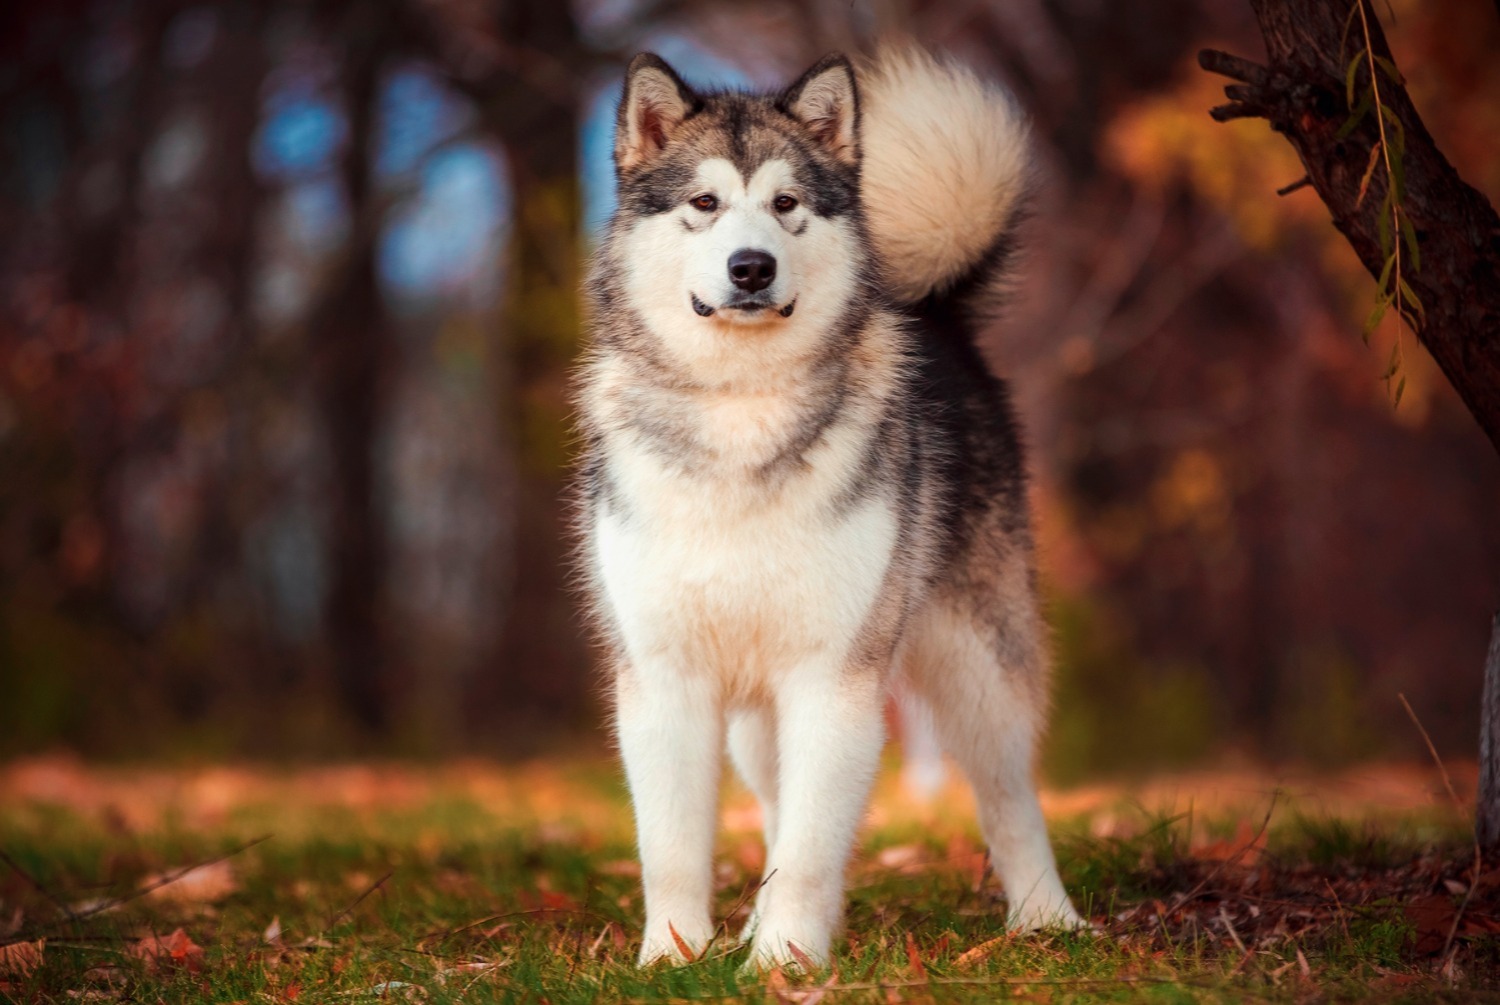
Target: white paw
column 793, row 946
column 660, row 945
column 1043, row 915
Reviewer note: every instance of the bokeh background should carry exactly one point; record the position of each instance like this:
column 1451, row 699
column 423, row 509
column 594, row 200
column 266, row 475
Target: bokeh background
column 288, row 301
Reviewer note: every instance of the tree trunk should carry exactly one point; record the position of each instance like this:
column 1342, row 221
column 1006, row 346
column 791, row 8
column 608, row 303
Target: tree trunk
column 1302, row 93
column 531, row 102
column 352, row 346
column 1487, row 809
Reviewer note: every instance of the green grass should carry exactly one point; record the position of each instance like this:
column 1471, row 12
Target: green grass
column 442, row 896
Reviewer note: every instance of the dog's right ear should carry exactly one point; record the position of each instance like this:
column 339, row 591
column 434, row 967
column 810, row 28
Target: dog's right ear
column 654, row 105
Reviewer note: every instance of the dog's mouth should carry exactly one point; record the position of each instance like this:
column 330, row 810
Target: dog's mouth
column 750, row 305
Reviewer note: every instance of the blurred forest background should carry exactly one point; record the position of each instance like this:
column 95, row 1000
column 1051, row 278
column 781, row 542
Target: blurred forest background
column 288, row 300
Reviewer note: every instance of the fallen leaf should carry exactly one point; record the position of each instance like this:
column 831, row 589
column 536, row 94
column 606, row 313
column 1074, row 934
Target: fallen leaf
column 777, row 984
column 20, row 959
column 175, row 950
column 106, row 973
column 810, row 996
column 973, row 955
column 1431, row 918
column 198, row 884
column 1243, row 849
column 272, row 934
column 914, row 958
column 682, row 946
column 803, row 960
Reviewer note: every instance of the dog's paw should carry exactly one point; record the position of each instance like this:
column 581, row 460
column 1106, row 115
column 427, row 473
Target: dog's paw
column 1042, row 916
column 670, row 946
column 806, row 954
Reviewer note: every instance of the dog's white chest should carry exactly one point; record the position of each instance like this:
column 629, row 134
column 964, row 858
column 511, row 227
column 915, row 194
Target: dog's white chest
column 712, row 576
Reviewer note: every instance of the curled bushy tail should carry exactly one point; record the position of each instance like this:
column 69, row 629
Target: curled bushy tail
column 945, row 170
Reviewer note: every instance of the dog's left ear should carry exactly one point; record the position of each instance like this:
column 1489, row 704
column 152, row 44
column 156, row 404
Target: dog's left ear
column 826, row 100
column 655, row 103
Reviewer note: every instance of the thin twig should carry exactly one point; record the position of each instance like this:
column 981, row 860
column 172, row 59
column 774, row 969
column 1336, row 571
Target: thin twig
column 1229, row 927
column 997, row 982
column 442, row 934
column 1302, row 182
column 1234, row 858
column 110, row 905
column 359, row 900
column 1339, row 906
column 37, row 884
column 1458, row 804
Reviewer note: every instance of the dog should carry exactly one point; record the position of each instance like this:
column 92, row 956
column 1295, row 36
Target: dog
column 800, row 482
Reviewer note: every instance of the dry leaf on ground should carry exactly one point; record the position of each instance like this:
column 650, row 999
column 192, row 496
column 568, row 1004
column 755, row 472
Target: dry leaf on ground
column 979, row 952
column 1243, row 849
column 165, row 951
column 199, row 884
column 20, row 959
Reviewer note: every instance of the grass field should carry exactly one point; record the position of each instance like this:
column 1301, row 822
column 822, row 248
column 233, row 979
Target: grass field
column 470, row 882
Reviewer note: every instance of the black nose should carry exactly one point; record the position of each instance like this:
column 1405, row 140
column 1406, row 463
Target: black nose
column 751, row 271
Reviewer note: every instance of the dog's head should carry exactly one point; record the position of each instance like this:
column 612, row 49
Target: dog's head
column 739, row 214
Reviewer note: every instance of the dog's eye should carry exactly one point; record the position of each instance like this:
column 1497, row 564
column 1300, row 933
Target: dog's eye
column 785, row 204
column 706, row 203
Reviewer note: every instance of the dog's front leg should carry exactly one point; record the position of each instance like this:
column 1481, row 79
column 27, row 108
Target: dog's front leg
column 671, row 730
column 830, row 730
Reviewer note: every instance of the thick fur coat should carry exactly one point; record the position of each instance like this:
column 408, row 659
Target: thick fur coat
column 801, row 483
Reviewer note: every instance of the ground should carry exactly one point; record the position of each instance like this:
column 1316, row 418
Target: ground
column 476, row 882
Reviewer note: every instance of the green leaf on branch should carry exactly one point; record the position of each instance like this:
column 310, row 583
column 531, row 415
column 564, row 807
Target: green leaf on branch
column 1385, row 274
column 1397, row 136
column 1359, row 112
column 1364, row 182
column 1409, row 233
column 1349, row 76
column 1410, row 298
column 1376, row 316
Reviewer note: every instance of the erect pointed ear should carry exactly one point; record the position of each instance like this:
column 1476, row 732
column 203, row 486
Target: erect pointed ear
column 654, row 104
column 826, row 100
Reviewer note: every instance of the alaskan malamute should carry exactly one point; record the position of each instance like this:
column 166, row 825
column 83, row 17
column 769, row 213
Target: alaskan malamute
column 801, row 483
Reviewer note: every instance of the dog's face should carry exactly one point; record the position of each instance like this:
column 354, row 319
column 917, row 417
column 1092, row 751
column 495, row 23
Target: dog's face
column 738, row 214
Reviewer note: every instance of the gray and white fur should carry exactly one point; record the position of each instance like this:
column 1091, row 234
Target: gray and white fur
column 801, row 484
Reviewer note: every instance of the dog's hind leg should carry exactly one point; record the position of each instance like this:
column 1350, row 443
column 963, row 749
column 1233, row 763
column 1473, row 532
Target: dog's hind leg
column 752, row 747
column 986, row 687
column 671, row 732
